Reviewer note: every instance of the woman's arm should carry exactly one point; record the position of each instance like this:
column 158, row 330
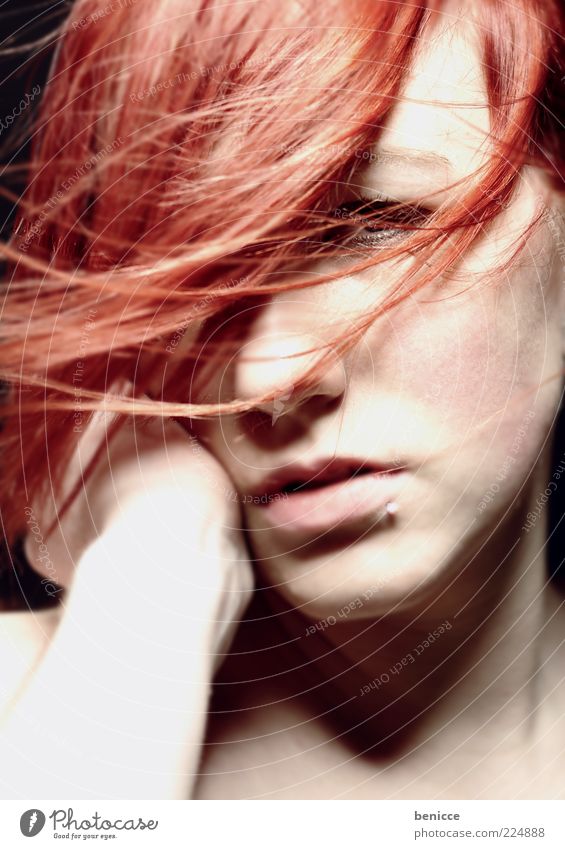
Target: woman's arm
column 117, row 706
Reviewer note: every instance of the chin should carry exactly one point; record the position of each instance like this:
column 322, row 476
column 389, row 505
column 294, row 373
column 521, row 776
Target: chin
column 362, row 581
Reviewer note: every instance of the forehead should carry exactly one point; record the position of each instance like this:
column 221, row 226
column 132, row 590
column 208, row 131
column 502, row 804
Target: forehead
column 438, row 130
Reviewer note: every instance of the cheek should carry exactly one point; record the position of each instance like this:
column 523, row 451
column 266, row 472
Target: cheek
column 469, row 357
column 477, row 382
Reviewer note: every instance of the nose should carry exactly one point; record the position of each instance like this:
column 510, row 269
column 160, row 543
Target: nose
column 279, row 362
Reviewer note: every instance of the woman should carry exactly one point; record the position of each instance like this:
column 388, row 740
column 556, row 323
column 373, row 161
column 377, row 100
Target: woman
column 318, row 252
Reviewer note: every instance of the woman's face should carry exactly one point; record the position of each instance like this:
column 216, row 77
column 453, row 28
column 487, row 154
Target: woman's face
column 449, row 385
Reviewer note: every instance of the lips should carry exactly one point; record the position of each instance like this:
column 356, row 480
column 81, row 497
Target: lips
column 322, row 473
column 310, row 500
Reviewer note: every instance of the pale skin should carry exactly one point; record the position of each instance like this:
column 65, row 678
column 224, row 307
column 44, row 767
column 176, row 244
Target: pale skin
column 448, row 384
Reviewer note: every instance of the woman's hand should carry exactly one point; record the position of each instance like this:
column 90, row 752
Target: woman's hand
column 158, row 577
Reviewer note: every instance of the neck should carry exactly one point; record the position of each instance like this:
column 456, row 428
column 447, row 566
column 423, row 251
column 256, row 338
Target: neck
column 462, row 664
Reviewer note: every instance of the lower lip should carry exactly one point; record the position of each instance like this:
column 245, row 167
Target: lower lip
column 319, row 510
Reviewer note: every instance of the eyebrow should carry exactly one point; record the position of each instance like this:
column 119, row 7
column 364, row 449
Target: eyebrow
column 419, row 157
column 400, row 171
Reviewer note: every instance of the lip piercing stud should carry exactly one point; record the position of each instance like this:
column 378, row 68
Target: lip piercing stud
column 391, row 508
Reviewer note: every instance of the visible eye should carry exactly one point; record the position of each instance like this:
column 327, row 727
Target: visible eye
column 373, row 224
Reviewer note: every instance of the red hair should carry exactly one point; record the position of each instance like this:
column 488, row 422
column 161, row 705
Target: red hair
column 183, row 154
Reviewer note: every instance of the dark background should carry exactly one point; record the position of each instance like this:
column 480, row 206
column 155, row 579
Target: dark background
column 27, row 41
